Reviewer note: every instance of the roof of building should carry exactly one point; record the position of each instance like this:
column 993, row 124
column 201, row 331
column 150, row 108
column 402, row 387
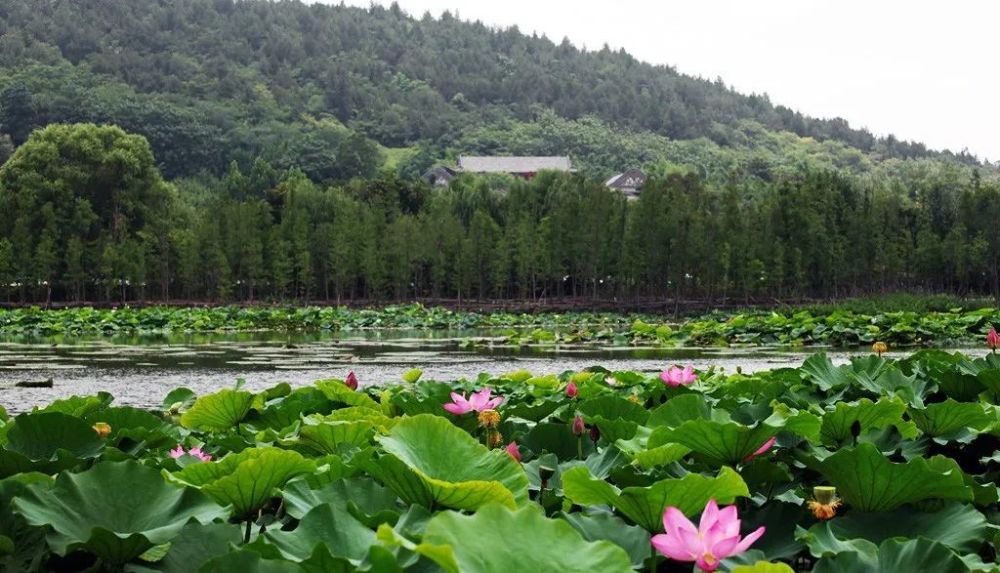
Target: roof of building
column 478, row 164
column 629, row 178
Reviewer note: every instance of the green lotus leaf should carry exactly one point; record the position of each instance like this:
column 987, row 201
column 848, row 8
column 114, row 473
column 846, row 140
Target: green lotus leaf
column 948, row 417
column 330, row 525
column 218, row 412
column 895, row 556
column 178, row 400
column 868, row 481
column 363, row 497
column 645, row 505
column 249, row 561
column 456, row 469
column 763, row 567
column 820, row 370
column 337, row 391
column 498, row 540
column 196, row 544
column 680, row 409
column 330, row 437
column 289, row 409
column 722, row 443
column 412, row 375
column 555, row 438
column 80, row 406
column 246, row 480
column 605, row 526
column 836, row 427
column 48, row 442
column 613, row 408
column 27, row 544
column 957, row 526
column 534, row 411
column 115, row 510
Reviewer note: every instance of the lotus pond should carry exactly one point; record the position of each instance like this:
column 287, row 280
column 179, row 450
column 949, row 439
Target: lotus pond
column 876, row 464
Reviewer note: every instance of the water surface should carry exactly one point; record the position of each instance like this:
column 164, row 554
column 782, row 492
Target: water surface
column 140, row 370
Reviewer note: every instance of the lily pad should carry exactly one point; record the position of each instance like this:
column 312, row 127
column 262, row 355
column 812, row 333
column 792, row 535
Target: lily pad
column 456, row 469
column 245, row 480
column 868, row 481
column 115, row 510
column 219, row 411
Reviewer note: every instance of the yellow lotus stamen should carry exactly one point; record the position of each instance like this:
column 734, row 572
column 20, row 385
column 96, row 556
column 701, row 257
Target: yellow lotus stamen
column 103, row 429
column 489, row 418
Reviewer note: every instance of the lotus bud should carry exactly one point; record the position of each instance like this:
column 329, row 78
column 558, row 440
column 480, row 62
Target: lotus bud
column 103, row 429
column 571, row 390
column 578, row 426
column 825, row 502
column 351, row 381
column 489, row 418
column 595, row 434
column 993, row 339
column 514, row 451
column 634, row 398
column 880, row 348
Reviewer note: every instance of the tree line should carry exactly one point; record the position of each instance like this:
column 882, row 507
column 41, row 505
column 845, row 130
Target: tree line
column 88, row 217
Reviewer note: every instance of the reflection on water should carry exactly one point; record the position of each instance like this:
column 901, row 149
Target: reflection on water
column 140, row 370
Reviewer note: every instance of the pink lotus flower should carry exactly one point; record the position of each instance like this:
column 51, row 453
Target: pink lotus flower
column 578, row 426
column 993, row 339
column 351, row 381
column 676, row 377
column 763, row 449
column 514, row 451
column 477, row 403
column 716, row 537
column 194, row 452
column 571, row 390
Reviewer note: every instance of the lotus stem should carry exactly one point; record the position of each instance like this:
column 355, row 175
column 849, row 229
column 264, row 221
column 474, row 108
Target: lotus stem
column 246, row 535
column 579, row 447
column 652, row 562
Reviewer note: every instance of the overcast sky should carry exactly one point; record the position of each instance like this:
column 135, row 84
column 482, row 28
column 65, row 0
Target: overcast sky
column 923, row 70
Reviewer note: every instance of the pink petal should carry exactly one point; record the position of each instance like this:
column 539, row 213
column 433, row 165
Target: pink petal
column 709, row 516
column 457, row 409
column 748, row 540
column 674, row 522
column 177, row 452
column 492, row 404
column 478, row 400
column 672, row 548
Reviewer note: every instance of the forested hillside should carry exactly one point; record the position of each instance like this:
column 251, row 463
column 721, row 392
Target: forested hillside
column 211, row 81
column 217, row 150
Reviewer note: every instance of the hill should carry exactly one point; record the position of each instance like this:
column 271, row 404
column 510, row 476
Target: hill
column 341, row 91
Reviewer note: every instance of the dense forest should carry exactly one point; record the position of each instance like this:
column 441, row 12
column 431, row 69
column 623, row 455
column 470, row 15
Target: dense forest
column 89, row 217
column 233, row 151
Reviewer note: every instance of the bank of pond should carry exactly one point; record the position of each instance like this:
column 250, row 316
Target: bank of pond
column 874, row 465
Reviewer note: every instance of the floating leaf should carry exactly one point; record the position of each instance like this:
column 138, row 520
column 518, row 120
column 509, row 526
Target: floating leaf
column 837, row 425
column 115, row 510
column 219, row 411
column 456, row 469
column 948, row 417
column 868, row 481
column 645, row 505
column 498, row 540
column 245, row 480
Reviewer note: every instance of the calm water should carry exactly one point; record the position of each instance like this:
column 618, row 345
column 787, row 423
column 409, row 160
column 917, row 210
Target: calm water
column 139, row 371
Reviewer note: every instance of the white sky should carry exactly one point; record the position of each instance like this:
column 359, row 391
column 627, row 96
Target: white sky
column 924, row 70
